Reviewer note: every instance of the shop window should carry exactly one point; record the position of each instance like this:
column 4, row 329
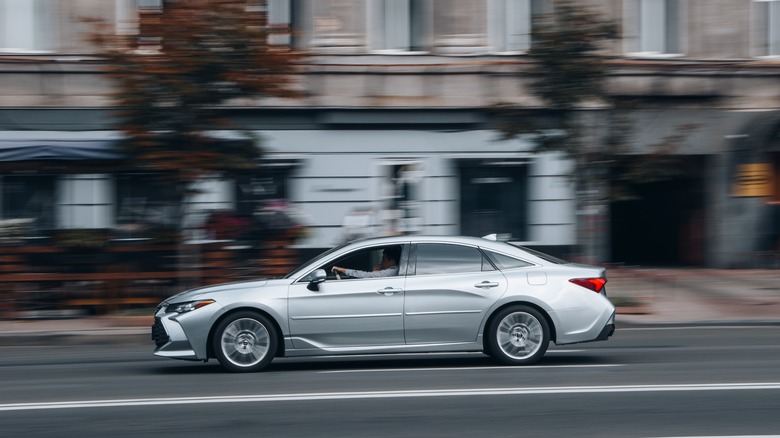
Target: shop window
column 26, row 205
column 253, row 191
column 85, row 201
column 209, row 195
column 143, row 204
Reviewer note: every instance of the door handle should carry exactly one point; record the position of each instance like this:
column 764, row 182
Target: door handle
column 486, row 285
column 389, row 291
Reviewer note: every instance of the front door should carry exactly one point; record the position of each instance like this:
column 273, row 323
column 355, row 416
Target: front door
column 345, row 313
column 348, row 312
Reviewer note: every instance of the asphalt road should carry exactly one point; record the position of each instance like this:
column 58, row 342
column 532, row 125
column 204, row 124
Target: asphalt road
column 644, row 382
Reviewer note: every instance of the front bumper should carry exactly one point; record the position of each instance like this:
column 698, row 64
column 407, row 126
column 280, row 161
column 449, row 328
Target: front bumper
column 170, row 340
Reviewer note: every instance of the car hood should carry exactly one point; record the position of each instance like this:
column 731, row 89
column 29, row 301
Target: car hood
column 214, row 291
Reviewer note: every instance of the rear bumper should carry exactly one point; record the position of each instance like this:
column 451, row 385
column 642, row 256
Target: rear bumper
column 599, row 329
column 606, row 332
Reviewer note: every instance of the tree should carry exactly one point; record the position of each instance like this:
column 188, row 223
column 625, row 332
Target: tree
column 175, row 79
column 570, row 72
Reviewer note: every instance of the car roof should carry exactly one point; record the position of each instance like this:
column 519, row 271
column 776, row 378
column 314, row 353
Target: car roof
column 468, row 240
column 414, row 238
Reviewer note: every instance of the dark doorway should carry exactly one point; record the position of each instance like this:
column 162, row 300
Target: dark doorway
column 493, row 196
column 664, row 225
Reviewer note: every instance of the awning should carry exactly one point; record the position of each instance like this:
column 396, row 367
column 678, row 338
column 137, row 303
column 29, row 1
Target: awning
column 26, row 150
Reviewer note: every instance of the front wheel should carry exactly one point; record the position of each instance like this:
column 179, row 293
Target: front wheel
column 245, row 342
column 518, row 335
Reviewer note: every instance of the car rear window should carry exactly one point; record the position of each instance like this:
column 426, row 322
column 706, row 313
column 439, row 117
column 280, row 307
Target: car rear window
column 545, row 257
column 506, row 262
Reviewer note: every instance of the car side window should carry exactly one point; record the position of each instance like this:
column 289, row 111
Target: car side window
column 505, row 261
column 366, row 259
column 440, row 258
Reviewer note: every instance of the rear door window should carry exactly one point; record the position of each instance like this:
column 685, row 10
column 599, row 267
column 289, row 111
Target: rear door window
column 441, row 258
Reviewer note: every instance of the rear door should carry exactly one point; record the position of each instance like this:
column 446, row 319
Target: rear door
column 449, row 287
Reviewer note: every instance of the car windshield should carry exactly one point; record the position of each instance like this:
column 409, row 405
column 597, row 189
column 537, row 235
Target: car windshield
column 300, row 268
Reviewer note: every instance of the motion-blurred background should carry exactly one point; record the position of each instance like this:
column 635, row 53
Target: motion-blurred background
column 151, row 145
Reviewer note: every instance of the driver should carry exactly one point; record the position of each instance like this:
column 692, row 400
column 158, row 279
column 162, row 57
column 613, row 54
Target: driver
column 388, row 267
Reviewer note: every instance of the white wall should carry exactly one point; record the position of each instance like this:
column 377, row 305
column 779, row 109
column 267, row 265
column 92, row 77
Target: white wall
column 342, row 171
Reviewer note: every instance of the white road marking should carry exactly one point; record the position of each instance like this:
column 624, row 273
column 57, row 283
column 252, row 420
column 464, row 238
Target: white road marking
column 455, row 368
column 700, row 327
column 727, row 436
column 83, row 404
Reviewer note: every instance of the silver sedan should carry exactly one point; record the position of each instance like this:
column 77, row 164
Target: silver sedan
column 446, row 294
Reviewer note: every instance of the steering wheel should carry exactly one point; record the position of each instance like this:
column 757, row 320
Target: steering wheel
column 338, row 277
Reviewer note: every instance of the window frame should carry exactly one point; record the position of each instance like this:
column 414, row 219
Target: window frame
column 766, row 28
column 459, row 43
column 46, row 184
column 99, row 203
column 38, row 21
column 326, row 260
column 413, row 261
column 636, row 19
column 506, row 19
column 389, row 29
column 335, row 42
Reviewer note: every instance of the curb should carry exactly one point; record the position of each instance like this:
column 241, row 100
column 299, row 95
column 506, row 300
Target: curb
column 693, row 324
column 76, row 338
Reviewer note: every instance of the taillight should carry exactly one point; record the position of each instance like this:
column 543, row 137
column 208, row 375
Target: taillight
column 594, row 284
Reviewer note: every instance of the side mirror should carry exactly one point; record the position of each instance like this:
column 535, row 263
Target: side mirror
column 315, row 278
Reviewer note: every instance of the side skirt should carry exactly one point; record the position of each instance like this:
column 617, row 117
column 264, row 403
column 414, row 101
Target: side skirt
column 318, row 350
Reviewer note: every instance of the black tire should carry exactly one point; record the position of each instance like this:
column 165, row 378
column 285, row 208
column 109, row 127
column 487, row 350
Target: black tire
column 245, row 342
column 518, row 335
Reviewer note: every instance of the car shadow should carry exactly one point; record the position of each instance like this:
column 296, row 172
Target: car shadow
column 383, row 362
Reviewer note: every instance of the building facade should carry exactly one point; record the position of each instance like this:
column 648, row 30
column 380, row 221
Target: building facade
column 394, row 133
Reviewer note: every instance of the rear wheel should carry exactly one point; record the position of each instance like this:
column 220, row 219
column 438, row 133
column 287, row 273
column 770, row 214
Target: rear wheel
column 245, row 342
column 518, row 335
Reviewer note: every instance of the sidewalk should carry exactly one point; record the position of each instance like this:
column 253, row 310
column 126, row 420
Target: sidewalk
column 76, row 331
column 658, row 297
column 696, row 296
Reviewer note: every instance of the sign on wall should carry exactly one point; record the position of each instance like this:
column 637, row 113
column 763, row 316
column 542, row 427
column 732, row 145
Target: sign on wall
column 754, row 179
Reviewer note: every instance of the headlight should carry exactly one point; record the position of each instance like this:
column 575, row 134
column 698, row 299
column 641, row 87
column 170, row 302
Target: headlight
column 188, row 306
